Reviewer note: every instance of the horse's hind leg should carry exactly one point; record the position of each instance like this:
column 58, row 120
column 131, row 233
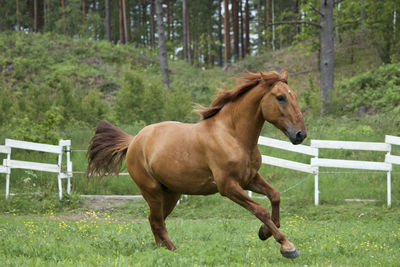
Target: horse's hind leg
column 160, row 205
column 259, row 185
column 157, row 218
column 170, row 200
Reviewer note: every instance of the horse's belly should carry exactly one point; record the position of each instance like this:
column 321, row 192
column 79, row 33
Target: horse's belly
column 183, row 180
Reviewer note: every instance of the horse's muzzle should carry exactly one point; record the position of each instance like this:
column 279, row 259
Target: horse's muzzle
column 297, row 136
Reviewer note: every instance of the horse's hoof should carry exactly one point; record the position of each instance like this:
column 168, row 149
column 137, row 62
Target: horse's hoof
column 290, row 254
column 262, row 235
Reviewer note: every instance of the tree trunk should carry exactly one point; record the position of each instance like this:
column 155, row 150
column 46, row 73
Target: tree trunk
column 162, row 44
column 152, row 25
column 242, row 38
column 124, row 21
column 220, row 38
column 327, row 53
column 44, row 13
column 185, row 30
column 273, row 26
column 189, row 44
column 35, row 16
column 146, row 39
column 107, row 20
column 29, row 6
column 114, row 20
column 295, row 10
column 235, row 24
column 227, row 32
column 121, row 22
column 247, row 28
column 83, row 11
column 168, row 19
column 267, row 21
column 17, row 13
column 259, row 27
column 63, row 15
column 128, row 20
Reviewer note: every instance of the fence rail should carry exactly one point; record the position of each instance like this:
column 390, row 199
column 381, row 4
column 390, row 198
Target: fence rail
column 9, row 164
column 312, row 168
column 316, row 163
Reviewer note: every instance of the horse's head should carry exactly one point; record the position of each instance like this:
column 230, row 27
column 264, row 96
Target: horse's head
column 279, row 107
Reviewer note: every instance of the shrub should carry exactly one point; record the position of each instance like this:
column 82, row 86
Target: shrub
column 377, row 90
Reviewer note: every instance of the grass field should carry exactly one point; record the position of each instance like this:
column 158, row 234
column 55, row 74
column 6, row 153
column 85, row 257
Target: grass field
column 208, row 231
column 40, row 230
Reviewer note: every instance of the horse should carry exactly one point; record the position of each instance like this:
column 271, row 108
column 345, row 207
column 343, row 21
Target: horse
column 217, row 154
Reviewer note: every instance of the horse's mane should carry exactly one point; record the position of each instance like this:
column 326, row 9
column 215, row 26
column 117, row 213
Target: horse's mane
column 248, row 81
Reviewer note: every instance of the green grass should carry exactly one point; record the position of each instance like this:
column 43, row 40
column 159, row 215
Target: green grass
column 346, row 235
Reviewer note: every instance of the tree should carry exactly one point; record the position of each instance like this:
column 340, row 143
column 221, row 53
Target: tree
column 107, row 20
column 381, row 27
column 124, row 21
column 152, row 24
column 35, row 16
column 220, row 37
column 326, row 59
column 84, row 11
column 259, row 26
column 327, row 64
column 247, row 28
column 185, row 30
column 162, row 44
column 121, row 23
column 235, row 24
column 267, row 20
column 63, row 15
column 227, row 33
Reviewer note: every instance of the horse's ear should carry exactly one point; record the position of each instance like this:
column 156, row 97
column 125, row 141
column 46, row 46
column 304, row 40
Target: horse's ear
column 284, row 75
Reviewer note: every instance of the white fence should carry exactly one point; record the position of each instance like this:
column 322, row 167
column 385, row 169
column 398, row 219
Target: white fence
column 316, row 162
column 313, row 168
column 9, row 164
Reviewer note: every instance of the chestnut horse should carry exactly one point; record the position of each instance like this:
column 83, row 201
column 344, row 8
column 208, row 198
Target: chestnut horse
column 218, row 154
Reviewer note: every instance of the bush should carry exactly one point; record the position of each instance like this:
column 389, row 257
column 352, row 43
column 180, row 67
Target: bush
column 375, row 91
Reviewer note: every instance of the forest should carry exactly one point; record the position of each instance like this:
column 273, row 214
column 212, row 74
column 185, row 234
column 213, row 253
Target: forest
column 73, row 62
column 210, row 32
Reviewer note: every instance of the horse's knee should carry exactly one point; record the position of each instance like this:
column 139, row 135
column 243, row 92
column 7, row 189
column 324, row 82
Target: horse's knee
column 261, row 213
column 275, row 197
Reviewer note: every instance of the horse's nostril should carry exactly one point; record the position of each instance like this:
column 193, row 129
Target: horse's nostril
column 300, row 135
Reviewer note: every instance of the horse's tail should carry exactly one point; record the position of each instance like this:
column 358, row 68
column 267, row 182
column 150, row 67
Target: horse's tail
column 107, row 150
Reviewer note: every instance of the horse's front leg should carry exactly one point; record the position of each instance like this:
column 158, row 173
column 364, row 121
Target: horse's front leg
column 259, row 185
column 231, row 189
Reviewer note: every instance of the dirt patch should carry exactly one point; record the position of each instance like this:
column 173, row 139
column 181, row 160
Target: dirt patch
column 102, row 205
column 107, row 202
column 100, row 208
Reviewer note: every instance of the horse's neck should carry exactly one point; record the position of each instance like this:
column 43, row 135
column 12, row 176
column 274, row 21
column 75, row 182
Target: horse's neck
column 243, row 117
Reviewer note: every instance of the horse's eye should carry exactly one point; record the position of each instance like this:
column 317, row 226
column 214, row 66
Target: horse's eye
column 281, row 98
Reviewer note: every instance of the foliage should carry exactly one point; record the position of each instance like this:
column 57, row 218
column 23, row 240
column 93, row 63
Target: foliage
column 375, row 91
column 83, row 82
column 129, row 99
column 311, row 97
column 44, row 131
